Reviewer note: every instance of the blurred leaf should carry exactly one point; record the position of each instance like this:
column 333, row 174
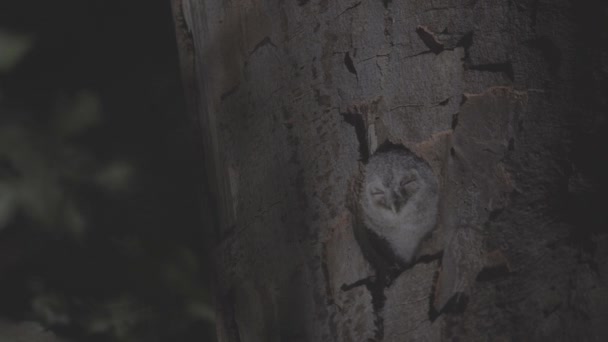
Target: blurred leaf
column 115, row 176
column 201, row 310
column 130, row 247
column 180, row 272
column 42, row 170
column 74, row 220
column 25, row 332
column 117, row 318
column 74, row 115
column 8, row 204
column 37, row 190
column 13, row 47
column 51, row 309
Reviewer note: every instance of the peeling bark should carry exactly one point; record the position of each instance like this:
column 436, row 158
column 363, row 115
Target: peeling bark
column 497, row 96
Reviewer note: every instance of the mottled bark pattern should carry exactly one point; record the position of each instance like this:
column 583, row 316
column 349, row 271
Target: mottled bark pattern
column 501, row 97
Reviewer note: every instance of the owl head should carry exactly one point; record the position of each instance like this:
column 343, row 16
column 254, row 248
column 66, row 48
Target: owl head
column 393, row 178
column 391, row 190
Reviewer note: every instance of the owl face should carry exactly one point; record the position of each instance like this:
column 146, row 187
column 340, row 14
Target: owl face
column 392, row 192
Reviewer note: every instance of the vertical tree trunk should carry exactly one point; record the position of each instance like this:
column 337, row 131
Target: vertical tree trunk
column 501, row 98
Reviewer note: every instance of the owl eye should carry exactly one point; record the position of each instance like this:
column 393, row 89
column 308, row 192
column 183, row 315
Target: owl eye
column 406, row 181
column 377, row 192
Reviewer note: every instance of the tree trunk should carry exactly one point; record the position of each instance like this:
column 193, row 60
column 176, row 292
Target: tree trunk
column 503, row 99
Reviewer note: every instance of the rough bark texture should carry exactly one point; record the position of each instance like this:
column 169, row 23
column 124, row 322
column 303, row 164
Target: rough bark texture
column 502, row 98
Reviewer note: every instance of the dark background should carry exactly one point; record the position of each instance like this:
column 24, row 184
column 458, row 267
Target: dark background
column 102, row 234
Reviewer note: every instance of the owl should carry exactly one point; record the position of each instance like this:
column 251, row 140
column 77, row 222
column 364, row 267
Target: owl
column 398, row 200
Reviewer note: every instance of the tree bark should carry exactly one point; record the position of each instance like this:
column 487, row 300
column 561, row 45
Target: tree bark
column 502, row 98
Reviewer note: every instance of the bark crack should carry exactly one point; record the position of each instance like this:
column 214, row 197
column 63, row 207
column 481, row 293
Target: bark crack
column 419, row 105
column 265, row 41
column 506, row 68
column 425, row 52
column 348, row 9
column 374, row 57
column 260, row 213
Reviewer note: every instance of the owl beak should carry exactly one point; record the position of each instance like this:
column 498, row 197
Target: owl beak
column 394, row 207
